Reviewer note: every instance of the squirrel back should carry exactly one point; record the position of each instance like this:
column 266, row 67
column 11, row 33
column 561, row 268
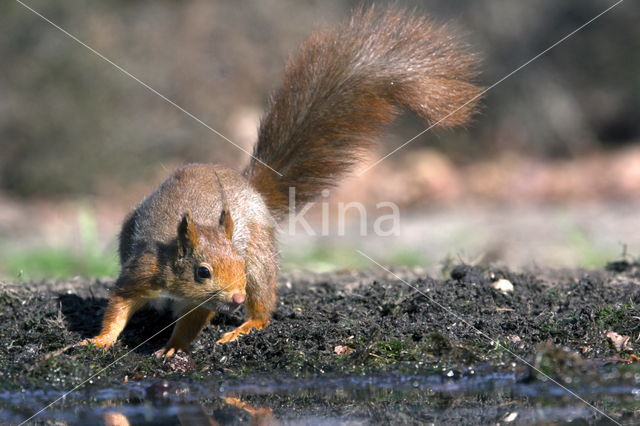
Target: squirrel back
column 203, row 190
column 341, row 89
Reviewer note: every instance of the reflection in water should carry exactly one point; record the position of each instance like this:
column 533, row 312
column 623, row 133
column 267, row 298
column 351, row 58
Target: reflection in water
column 259, row 416
column 114, row 418
column 447, row 397
column 196, row 415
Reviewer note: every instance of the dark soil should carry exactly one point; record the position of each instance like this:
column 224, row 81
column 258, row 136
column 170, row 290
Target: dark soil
column 454, row 328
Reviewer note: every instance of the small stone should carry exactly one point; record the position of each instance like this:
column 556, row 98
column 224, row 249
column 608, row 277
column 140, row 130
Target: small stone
column 503, row 286
column 514, row 338
column 511, row 417
column 181, row 362
column 460, row 271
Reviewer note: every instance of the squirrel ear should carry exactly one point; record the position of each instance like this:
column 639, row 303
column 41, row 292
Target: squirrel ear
column 187, row 235
column 226, row 223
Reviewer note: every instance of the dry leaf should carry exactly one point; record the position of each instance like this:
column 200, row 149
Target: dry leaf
column 620, row 342
column 343, row 350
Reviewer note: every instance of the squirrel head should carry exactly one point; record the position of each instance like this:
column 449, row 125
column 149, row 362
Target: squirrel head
column 208, row 266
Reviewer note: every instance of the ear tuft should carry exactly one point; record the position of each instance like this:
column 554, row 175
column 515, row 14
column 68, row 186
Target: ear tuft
column 187, row 235
column 226, row 223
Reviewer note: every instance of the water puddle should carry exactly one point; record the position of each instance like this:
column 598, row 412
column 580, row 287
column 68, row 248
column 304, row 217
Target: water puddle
column 450, row 398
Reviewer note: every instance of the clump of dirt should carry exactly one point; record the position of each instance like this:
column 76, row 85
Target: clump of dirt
column 338, row 324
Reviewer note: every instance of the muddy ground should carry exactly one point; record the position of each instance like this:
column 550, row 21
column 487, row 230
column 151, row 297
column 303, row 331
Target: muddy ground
column 449, row 330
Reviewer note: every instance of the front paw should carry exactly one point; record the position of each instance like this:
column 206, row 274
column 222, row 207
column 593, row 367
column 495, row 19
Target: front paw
column 245, row 328
column 170, row 350
column 101, row 342
column 230, row 336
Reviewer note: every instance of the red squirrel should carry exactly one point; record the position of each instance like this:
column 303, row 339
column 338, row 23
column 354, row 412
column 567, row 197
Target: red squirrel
column 206, row 237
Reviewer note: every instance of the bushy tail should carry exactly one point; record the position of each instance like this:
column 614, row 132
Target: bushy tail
column 344, row 86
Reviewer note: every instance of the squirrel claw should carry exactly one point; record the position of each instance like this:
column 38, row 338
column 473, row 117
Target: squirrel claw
column 245, row 328
column 97, row 341
column 168, row 352
column 230, row 336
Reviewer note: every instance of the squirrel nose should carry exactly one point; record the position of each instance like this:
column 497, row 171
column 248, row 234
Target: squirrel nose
column 237, row 298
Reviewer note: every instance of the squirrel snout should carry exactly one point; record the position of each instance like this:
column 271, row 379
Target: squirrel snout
column 237, row 298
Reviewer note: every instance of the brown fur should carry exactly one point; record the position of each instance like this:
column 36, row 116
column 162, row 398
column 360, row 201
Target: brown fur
column 344, row 86
column 340, row 90
column 192, row 321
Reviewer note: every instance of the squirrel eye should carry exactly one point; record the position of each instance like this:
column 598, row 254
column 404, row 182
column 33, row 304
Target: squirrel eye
column 203, row 273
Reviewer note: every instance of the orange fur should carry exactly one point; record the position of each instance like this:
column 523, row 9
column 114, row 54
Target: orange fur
column 206, row 235
column 119, row 311
column 245, row 328
column 342, row 88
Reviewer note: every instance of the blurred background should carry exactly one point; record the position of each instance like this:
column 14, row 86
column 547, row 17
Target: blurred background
column 548, row 174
